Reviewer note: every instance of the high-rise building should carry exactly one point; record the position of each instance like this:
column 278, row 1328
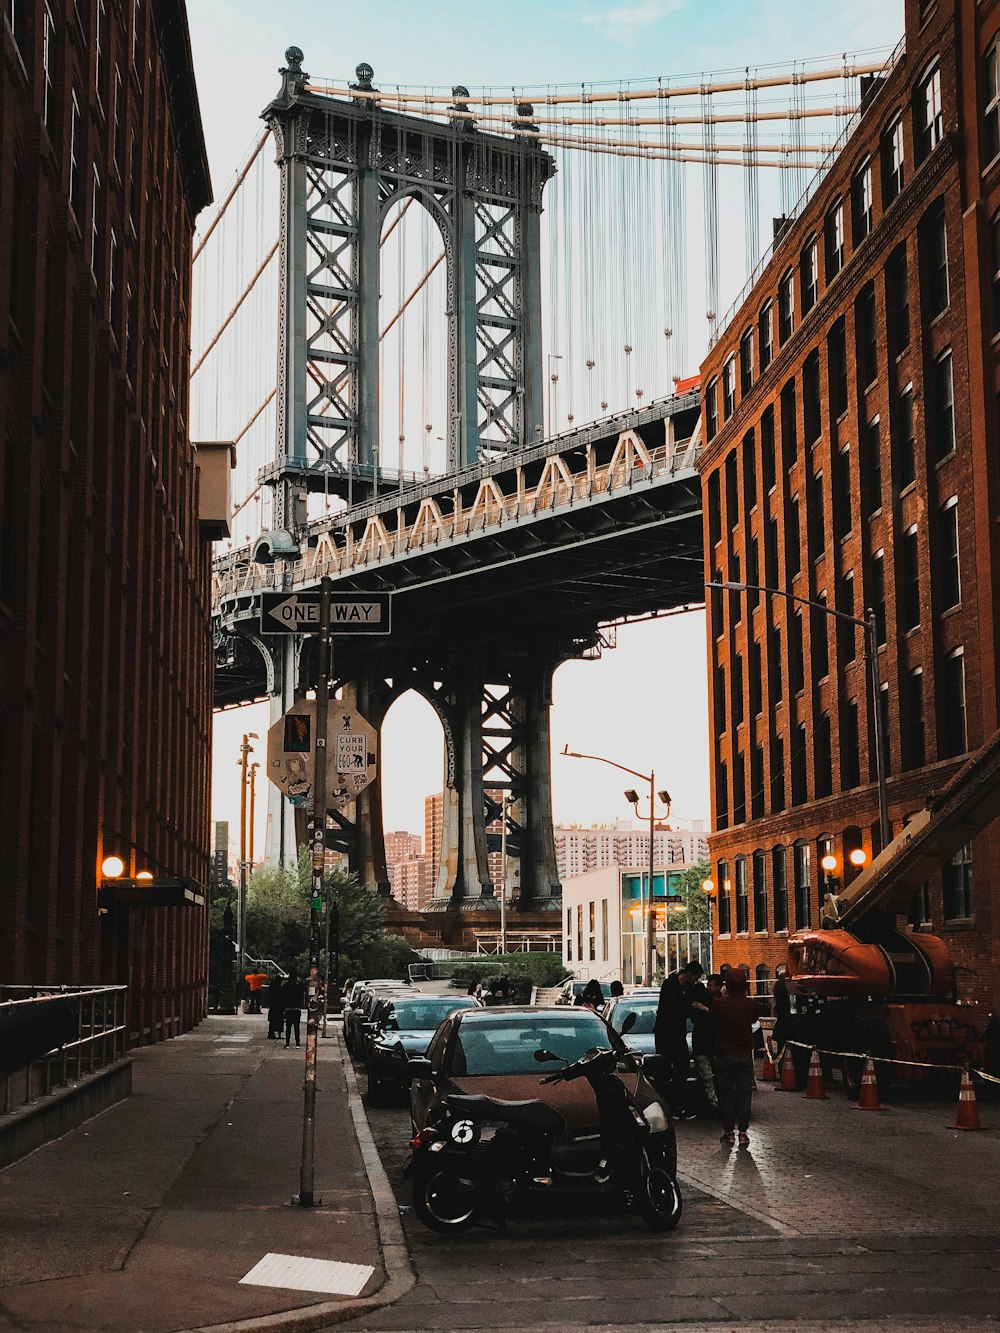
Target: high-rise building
column 433, row 834
column 105, row 649
column 402, row 846
column 580, row 849
column 850, row 420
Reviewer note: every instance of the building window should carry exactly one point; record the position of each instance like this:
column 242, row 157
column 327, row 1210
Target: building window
column 809, row 275
column 823, row 757
column 910, row 575
column 592, row 933
column 732, row 492
column 842, row 493
column 949, row 573
column 793, row 538
column 746, row 363
column 737, row 691
column 779, row 887
column 819, row 623
column 878, row 595
column 721, row 794
column 850, row 755
column 812, row 416
column 748, row 457
column 75, row 180
column 604, row 928
column 913, row 734
column 17, row 18
column 48, row 62
column 719, row 696
column 711, row 409
column 897, row 290
column 569, row 934
column 579, row 931
column 753, row 573
column 723, row 889
column 789, row 429
column 774, row 686
column 771, row 553
column 953, row 705
column 756, row 678
column 95, row 222
column 872, row 464
column 99, row 47
column 833, row 232
column 796, row 668
column 786, row 307
column 816, row 518
column 866, row 336
column 802, row 870
column 893, row 164
column 836, row 364
column 846, row 632
column 765, row 326
column 995, row 283
column 137, row 33
column 991, row 93
column 928, row 113
column 933, row 243
column 777, row 774
column 861, row 203
column 714, row 509
column 799, row 755
column 956, row 878
column 757, row 782
column 942, row 407
column 906, row 448
column 767, row 464
column 739, row 789
column 742, row 914
column 729, row 388
column 759, row 891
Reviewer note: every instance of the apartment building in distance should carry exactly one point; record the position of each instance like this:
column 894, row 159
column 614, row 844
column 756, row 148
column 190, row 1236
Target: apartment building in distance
column 105, row 643
column 850, row 419
column 581, row 849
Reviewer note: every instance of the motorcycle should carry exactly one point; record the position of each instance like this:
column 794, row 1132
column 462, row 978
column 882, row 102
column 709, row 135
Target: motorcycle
column 480, row 1155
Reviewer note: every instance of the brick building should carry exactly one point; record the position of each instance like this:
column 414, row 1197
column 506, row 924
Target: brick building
column 105, row 652
column 850, row 425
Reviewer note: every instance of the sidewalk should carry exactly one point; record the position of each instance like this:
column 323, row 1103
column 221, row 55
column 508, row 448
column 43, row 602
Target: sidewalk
column 145, row 1218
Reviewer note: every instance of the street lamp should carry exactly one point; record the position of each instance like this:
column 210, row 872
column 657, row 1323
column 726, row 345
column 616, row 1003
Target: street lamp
column 505, row 806
column 868, row 627
column 858, row 857
column 632, row 796
column 246, row 750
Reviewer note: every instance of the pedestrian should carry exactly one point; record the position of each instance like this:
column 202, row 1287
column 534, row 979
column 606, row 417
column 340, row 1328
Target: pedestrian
column 275, row 1001
column 782, row 1007
column 702, row 1004
column 734, row 1082
column 670, row 1033
column 617, row 989
column 295, row 996
column 593, row 996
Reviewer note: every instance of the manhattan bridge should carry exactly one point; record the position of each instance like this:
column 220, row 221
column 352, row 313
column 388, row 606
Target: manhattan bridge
column 452, row 337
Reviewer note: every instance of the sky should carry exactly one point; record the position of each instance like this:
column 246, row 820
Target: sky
column 643, row 704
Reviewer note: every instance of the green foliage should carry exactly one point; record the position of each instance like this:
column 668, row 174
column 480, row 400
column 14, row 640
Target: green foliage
column 278, row 922
column 522, row 970
column 696, row 900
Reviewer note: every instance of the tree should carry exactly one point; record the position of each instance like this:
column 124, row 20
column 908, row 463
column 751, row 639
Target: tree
column 698, row 905
column 278, row 922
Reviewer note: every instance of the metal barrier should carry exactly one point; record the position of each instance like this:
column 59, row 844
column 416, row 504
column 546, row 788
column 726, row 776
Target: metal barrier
column 101, row 1039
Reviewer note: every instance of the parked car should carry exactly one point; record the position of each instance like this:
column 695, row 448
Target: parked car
column 640, row 1036
column 361, row 1011
column 491, row 1053
column 573, row 988
column 400, row 1029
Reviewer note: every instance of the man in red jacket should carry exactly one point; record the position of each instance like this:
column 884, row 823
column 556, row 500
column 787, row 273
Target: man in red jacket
column 735, row 1014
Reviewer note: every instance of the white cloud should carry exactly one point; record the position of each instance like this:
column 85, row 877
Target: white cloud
column 625, row 21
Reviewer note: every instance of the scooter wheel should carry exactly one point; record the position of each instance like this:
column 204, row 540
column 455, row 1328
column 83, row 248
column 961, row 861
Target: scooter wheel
column 658, row 1196
column 445, row 1201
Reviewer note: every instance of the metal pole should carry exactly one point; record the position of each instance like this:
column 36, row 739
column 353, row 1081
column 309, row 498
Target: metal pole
column 253, row 806
column 326, row 970
column 307, row 1172
column 246, row 749
column 885, row 832
column 503, row 874
column 650, row 921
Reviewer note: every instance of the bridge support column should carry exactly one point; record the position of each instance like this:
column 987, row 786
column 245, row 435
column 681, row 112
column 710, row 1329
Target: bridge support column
column 463, row 447
column 368, row 858
column 472, row 883
column 280, row 845
column 367, row 262
column 540, row 887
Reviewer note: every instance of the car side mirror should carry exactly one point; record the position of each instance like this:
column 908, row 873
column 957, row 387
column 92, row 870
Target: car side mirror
column 420, row 1067
column 630, row 1022
column 543, row 1057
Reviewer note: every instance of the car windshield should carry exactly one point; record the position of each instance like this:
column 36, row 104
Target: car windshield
column 507, row 1045
column 645, row 1017
column 580, row 986
column 425, row 1015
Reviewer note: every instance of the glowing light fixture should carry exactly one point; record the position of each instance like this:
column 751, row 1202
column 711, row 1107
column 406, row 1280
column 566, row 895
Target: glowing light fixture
column 829, row 863
column 144, row 874
column 112, row 867
column 708, row 886
column 858, row 857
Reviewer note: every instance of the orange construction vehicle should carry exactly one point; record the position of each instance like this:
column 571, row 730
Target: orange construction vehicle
column 862, row 984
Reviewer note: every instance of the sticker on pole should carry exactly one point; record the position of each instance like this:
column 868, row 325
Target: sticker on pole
column 353, row 749
column 294, row 748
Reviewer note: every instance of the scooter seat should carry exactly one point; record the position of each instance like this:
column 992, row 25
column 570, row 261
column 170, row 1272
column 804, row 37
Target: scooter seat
column 538, row 1115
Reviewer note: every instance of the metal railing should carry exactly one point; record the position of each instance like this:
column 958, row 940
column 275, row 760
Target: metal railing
column 101, row 1040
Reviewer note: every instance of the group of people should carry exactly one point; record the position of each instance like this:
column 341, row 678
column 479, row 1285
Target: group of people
column 722, row 1042
column 285, row 998
column 498, row 992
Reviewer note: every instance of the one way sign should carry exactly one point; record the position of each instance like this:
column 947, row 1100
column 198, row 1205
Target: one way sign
column 350, row 613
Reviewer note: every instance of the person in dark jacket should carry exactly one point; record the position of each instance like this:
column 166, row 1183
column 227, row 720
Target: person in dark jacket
column 670, row 1032
column 782, row 1007
column 295, row 998
column 736, row 1014
column 593, row 996
column 275, row 1001
column 702, row 1000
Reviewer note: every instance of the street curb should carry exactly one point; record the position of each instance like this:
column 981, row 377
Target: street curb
column 399, row 1274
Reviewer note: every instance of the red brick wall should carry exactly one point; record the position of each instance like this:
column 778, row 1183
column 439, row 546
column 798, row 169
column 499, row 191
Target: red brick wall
column 105, row 654
column 950, row 174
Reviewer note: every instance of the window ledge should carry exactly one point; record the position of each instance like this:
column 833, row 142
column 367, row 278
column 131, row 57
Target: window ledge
column 946, row 458
column 965, row 924
column 940, row 315
column 950, row 611
column 908, row 489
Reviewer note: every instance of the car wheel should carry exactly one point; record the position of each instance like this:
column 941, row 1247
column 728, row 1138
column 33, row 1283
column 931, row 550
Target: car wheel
column 446, row 1201
column 658, row 1195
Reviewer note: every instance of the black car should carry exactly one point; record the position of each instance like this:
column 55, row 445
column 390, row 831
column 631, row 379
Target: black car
column 401, row 1028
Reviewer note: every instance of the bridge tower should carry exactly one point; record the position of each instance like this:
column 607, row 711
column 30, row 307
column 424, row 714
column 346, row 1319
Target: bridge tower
column 344, row 165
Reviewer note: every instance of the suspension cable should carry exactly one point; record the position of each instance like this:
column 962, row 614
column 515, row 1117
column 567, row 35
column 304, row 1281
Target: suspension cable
column 232, row 314
column 241, row 177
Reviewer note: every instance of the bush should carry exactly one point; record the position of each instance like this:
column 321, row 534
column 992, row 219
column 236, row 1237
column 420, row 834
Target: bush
column 522, row 971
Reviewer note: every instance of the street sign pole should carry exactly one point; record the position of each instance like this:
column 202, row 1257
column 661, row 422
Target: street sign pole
column 307, row 1171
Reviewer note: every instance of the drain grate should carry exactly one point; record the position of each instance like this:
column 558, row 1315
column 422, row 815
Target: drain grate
column 296, row 1273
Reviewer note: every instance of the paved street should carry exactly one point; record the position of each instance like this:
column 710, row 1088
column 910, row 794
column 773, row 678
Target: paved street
column 833, row 1216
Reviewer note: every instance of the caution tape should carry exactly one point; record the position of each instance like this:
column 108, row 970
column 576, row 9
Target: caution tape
column 888, row 1060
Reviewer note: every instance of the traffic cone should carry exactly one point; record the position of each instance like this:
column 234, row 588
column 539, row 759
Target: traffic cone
column 814, row 1081
column 787, row 1083
column 768, row 1070
column 868, row 1098
column 967, row 1115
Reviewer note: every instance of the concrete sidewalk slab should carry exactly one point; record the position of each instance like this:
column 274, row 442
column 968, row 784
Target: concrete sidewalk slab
column 144, row 1219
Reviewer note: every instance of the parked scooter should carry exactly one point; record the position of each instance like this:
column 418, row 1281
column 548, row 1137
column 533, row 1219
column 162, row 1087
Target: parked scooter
column 482, row 1155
